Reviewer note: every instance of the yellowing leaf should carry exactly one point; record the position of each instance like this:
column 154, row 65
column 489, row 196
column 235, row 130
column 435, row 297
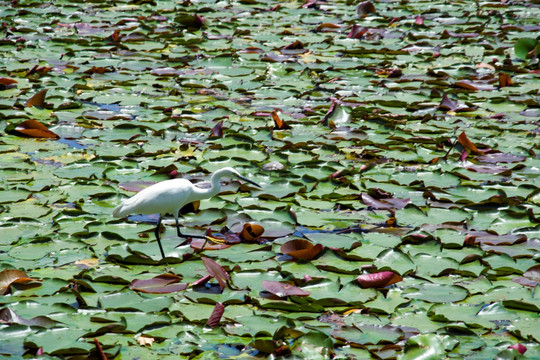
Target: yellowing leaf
column 144, row 340
column 87, row 263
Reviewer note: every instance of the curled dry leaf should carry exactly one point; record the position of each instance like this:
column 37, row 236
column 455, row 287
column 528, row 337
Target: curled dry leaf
column 34, row 129
column 357, row 32
column 327, row 26
column 145, row 340
column 7, row 83
column 215, row 317
column 280, row 124
column 468, row 144
column 474, row 86
column 451, row 105
column 301, row 249
column 283, row 289
column 161, row 284
column 217, row 130
column 9, row 277
column 378, row 280
column 217, row 271
column 251, row 232
column 505, row 80
column 38, row 99
column 364, row 8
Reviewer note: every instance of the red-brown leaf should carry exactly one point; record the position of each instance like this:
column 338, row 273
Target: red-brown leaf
column 35, row 129
column 280, row 124
column 531, row 277
column 378, row 280
column 217, row 130
column 508, row 239
column 469, row 85
column 7, row 83
column 38, row 99
column 357, row 32
column 9, row 277
column 251, row 232
column 283, row 289
column 301, row 249
column 215, row 317
column 161, row 284
column 468, row 144
column 325, row 26
column 505, row 80
column 386, row 203
column 451, row 105
column 364, row 8
column 217, row 271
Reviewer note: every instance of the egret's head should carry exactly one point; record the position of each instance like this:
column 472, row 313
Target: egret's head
column 230, row 172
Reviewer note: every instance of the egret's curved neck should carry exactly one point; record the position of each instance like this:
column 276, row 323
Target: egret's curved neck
column 214, row 190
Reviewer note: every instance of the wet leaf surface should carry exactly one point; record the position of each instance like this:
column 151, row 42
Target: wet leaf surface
column 396, row 144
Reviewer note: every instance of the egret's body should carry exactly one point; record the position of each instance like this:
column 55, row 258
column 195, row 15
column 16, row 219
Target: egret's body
column 169, row 196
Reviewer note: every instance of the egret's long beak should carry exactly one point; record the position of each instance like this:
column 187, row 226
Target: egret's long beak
column 249, row 181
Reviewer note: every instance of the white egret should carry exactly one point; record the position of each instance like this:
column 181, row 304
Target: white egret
column 169, row 196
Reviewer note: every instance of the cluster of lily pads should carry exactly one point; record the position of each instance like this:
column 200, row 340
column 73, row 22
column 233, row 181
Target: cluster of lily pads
column 397, row 148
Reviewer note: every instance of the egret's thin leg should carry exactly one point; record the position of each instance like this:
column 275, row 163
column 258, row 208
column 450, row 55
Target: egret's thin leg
column 179, row 233
column 157, row 237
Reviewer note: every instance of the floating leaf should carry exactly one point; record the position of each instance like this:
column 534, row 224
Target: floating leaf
column 144, row 340
column 379, row 279
column 531, row 277
column 508, row 239
column 217, row 271
column 364, row 8
column 6, row 83
column 505, row 80
column 282, row 289
column 217, row 130
column 161, row 284
column 215, row 317
column 524, row 46
column 38, row 99
column 384, row 203
column 301, row 249
column 251, row 232
column 280, row 124
column 34, row 129
column 11, row 277
column 494, row 158
column 8, row 316
column 87, row 263
column 469, row 85
column 468, row 144
column 451, row 105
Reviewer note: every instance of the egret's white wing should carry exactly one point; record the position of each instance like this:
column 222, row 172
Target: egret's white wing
column 165, row 197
